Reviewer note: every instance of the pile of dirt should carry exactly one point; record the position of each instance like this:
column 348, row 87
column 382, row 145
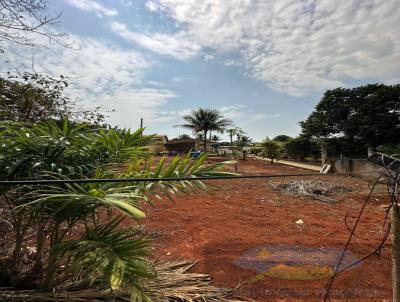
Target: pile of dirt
column 318, row 190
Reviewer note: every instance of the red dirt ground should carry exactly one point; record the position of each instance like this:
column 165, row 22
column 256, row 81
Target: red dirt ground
column 217, row 228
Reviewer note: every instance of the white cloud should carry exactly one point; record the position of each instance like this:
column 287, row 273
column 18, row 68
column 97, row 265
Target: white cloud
column 293, row 46
column 182, row 79
column 101, row 74
column 93, row 6
column 152, row 6
column 242, row 114
column 178, row 45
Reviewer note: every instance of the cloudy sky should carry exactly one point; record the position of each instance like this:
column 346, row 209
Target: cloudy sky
column 263, row 63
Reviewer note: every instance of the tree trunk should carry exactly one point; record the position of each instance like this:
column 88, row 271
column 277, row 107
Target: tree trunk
column 205, row 140
column 395, row 222
column 272, row 160
column 233, row 152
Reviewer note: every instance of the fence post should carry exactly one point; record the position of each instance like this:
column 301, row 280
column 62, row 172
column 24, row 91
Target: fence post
column 395, row 224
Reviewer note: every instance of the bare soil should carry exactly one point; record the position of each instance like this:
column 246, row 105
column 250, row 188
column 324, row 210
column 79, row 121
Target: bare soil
column 239, row 216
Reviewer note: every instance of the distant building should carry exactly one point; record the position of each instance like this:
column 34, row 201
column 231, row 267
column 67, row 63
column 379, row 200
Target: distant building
column 224, row 150
column 157, row 144
column 185, row 145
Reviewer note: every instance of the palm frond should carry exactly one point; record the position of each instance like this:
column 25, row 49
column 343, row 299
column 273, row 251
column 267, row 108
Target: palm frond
column 107, row 255
column 173, row 282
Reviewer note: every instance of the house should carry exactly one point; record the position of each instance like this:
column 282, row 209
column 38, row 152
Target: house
column 157, row 144
column 185, row 145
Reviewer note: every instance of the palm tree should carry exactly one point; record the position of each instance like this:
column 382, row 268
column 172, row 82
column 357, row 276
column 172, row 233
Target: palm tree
column 235, row 131
column 200, row 136
column 205, row 120
column 244, row 141
column 101, row 252
column 215, row 138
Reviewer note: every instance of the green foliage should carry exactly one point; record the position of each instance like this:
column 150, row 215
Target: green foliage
column 282, row 138
column 184, row 136
column 31, row 97
column 244, row 141
column 66, row 148
column 369, row 115
column 111, row 255
column 215, row 138
column 256, row 150
column 390, row 149
column 271, row 149
column 71, row 236
column 301, row 147
column 345, row 146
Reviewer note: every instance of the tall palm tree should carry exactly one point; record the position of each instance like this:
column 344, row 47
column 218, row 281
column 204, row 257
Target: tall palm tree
column 215, row 138
column 235, row 131
column 205, row 120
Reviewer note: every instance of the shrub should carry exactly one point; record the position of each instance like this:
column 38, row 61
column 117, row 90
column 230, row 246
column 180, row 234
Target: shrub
column 70, row 232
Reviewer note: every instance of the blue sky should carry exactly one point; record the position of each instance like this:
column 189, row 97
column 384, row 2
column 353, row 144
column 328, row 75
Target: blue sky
column 263, row 63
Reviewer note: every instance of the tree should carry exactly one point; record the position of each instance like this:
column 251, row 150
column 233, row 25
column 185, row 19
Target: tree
column 205, row 120
column 301, row 147
column 367, row 114
column 282, row 138
column 215, row 138
column 200, row 136
column 234, row 132
column 184, row 136
column 244, row 141
column 271, row 149
column 31, row 97
column 24, row 21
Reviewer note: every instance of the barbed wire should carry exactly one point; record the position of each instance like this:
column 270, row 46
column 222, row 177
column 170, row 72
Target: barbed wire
column 169, row 179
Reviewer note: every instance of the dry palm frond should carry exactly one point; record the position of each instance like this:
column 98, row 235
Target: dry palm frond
column 173, row 283
column 315, row 189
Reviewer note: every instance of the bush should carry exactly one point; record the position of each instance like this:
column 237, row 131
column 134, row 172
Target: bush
column 271, row 149
column 72, row 232
column 301, row 148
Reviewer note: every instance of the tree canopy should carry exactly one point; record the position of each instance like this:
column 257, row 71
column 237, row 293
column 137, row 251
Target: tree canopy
column 271, row 149
column 301, row 147
column 282, row 138
column 31, row 97
column 367, row 114
column 184, row 136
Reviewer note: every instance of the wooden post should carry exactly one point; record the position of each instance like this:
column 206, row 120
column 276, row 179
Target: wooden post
column 395, row 224
column 324, row 155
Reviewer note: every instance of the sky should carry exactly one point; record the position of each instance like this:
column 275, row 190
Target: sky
column 263, row 63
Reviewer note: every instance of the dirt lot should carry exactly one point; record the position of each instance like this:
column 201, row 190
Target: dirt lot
column 240, row 217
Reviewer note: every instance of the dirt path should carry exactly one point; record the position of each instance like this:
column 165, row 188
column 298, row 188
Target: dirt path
column 311, row 167
column 246, row 233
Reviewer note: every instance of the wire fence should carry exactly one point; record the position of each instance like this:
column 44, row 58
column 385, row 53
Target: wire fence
column 392, row 178
column 171, row 179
